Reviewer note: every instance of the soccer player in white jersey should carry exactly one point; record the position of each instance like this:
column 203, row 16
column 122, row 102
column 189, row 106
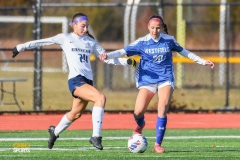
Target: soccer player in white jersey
column 78, row 47
column 155, row 73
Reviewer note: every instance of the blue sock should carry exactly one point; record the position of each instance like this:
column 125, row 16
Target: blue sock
column 160, row 129
column 140, row 121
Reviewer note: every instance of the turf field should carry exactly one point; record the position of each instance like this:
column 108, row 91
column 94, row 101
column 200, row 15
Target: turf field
column 179, row 144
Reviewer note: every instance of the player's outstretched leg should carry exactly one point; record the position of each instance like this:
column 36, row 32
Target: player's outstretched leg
column 52, row 137
column 97, row 142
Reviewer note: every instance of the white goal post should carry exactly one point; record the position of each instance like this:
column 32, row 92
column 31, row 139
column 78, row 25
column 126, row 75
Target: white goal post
column 30, row 19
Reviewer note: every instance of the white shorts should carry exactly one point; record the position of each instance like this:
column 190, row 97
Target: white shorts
column 154, row 87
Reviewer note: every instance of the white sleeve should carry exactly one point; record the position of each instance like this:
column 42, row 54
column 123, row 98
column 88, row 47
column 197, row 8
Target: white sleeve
column 116, row 54
column 58, row 39
column 97, row 50
column 193, row 57
column 117, row 61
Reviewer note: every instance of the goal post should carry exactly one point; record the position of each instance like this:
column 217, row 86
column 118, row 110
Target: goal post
column 30, row 19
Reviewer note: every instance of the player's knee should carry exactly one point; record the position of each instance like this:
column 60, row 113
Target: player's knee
column 101, row 100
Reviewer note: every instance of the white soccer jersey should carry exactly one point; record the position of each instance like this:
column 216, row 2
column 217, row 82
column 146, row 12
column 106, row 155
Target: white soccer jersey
column 77, row 50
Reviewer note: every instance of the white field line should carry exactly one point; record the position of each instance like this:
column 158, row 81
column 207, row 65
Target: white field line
column 83, row 148
column 26, row 155
column 107, row 149
column 116, row 138
column 66, row 149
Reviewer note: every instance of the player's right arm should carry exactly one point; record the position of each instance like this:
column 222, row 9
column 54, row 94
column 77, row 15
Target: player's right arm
column 130, row 50
column 58, row 39
column 115, row 54
column 121, row 61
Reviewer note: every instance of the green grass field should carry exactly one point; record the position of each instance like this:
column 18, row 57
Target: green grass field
column 179, row 144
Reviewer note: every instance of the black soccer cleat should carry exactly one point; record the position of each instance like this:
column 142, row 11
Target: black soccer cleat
column 97, row 142
column 52, row 137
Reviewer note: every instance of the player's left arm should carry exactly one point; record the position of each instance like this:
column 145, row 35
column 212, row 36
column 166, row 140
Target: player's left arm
column 196, row 58
column 190, row 55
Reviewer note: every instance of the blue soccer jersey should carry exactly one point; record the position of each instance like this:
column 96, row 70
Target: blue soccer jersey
column 156, row 64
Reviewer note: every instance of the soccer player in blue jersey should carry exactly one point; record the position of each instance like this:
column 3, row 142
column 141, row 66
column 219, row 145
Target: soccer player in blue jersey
column 155, row 73
column 78, row 46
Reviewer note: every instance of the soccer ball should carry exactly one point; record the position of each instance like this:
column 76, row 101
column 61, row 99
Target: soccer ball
column 137, row 143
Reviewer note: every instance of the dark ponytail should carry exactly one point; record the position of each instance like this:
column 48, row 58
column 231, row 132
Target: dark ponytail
column 89, row 35
column 165, row 29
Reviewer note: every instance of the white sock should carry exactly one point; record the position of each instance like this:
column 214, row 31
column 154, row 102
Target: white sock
column 62, row 125
column 97, row 118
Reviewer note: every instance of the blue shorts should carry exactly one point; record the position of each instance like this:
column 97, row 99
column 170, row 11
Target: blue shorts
column 77, row 82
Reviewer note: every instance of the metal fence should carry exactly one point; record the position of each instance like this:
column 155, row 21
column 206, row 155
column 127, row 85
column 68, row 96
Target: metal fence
column 208, row 29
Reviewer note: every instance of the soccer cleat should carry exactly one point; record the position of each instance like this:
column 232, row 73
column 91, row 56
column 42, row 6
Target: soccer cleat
column 139, row 129
column 158, row 149
column 97, row 142
column 52, row 137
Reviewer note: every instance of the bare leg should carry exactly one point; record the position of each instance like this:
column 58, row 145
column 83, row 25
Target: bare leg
column 142, row 101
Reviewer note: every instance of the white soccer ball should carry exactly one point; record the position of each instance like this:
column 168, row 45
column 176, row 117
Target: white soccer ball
column 137, row 143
